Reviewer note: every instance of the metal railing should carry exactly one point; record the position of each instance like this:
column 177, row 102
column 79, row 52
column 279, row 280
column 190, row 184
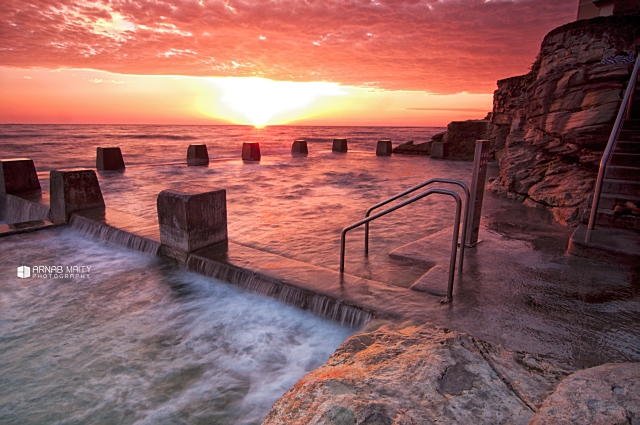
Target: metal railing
column 413, row 189
column 456, row 228
column 624, row 112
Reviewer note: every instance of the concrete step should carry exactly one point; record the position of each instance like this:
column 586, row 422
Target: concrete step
column 622, row 187
column 622, row 173
column 626, row 159
column 608, row 201
column 632, row 124
column 618, row 246
column 628, row 146
column 609, row 219
column 629, row 135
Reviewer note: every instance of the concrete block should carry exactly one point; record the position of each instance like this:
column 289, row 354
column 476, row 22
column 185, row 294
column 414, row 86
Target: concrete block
column 18, row 175
column 251, row 151
column 299, row 147
column 384, row 148
column 439, row 150
column 197, row 155
column 109, row 159
column 73, row 189
column 190, row 221
column 339, row 145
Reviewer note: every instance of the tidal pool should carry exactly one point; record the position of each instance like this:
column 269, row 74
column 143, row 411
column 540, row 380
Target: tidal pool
column 140, row 341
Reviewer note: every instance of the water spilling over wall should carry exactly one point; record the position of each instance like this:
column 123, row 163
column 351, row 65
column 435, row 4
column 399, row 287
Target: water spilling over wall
column 18, row 210
column 106, row 233
column 141, row 341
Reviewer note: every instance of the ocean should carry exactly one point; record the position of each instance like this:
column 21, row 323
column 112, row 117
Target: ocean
column 139, row 341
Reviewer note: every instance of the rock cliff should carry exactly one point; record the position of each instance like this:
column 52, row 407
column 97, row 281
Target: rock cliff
column 552, row 125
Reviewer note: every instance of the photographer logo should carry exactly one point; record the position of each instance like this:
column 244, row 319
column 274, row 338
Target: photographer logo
column 24, row 272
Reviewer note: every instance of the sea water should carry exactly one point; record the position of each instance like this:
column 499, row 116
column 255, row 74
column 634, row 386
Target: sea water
column 134, row 340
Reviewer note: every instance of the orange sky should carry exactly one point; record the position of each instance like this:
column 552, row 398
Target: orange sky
column 332, row 62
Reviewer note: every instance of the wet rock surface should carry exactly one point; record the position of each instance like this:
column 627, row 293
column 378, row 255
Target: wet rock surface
column 603, row 395
column 405, row 374
column 409, row 148
column 552, row 125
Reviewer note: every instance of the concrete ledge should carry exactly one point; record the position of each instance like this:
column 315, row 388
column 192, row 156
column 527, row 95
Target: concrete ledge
column 609, row 245
column 25, row 227
column 190, row 221
column 339, row 145
column 197, row 155
column 439, row 150
column 109, row 159
column 18, row 175
column 299, row 147
column 251, row 151
column 72, row 190
column 384, row 148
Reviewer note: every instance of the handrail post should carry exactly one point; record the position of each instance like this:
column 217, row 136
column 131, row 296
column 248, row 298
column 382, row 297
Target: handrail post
column 420, row 186
column 343, row 237
column 625, row 108
column 454, row 243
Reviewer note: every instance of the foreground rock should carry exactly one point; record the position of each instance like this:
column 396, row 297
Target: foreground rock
column 419, row 375
column 603, row 395
column 552, row 125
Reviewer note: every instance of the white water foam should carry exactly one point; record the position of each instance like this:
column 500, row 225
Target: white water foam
column 141, row 341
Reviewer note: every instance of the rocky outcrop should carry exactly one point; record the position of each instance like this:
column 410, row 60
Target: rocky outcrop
column 603, row 395
column 460, row 138
column 552, row 125
column 419, row 375
column 410, row 148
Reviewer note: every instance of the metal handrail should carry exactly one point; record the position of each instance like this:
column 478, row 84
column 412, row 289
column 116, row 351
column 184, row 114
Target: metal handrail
column 413, row 189
column 456, row 228
column 625, row 111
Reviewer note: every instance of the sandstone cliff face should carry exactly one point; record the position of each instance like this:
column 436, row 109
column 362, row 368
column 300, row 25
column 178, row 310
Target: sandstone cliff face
column 552, row 125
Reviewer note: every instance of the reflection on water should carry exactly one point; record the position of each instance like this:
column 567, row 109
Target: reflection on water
column 139, row 341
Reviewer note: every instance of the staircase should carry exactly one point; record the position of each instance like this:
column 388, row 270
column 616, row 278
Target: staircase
column 613, row 232
column 621, row 182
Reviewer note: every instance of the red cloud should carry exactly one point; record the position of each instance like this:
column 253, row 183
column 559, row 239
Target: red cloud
column 440, row 46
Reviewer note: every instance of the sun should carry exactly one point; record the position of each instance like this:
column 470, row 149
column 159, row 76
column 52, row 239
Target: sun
column 260, row 102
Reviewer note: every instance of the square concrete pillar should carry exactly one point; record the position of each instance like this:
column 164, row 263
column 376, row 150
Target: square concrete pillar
column 251, row 151
column 299, row 147
column 339, row 145
column 73, row 189
column 109, row 159
column 197, row 155
column 190, row 221
column 18, row 175
column 439, row 150
column 384, row 148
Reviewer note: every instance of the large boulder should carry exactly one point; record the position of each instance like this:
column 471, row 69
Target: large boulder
column 552, row 125
column 419, row 375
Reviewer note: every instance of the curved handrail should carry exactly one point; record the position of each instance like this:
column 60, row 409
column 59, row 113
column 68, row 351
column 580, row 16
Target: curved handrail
column 413, row 189
column 625, row 108
column 456, row 228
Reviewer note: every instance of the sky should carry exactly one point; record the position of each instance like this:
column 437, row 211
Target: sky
column 265, row 62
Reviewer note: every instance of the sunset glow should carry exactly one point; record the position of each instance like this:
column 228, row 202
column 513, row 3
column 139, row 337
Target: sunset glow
column 211, row 61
